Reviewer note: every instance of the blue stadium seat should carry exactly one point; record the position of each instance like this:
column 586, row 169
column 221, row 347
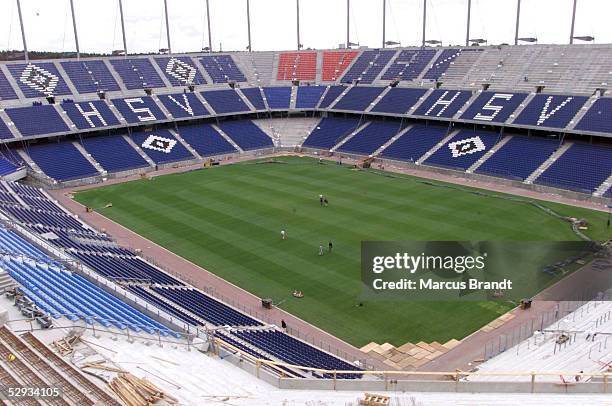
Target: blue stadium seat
column 180, row 70
column 37, row 120
column 246, row 134
column 358, row 98
column 93, row 114
column 90, row 76
column 409, row 64
column 253, row 94
column 183, row 105
column 398, row 100
column 6, row 90
column 40, row 79
column 547, row 110
column 493, row 107
column 368, row 66
column 5, row 133
column 137, row 73
column 463, row 149
column 278, row 97
column 415, row 142
column 114, row 153
column 330, row 132
column 206, row 140
column 598, row 118
column 308, row 97
column 222, row 68
column 443, row 103
column 225, row 101
column 161, row 146
column 444, row 61
column 372, row 137
column 332, row 94
column 53, row 156
column 141, row 109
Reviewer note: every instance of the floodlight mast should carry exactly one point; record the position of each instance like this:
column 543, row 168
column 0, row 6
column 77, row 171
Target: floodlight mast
column 167, row 26
column 74, row 27
column 23, row 36
column 123, row 28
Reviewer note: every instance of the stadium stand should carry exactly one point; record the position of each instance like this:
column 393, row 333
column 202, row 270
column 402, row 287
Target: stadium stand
column 90, row 76
column 398, row 100
column 554, row 111
column 180, row 70
column 409, row 64
column 51, row 157
column 253, row 94
column 308, row 97
column 142, row 109
column 7, row 167
column 330, row 132
column 358, row 98
column 463, row 149
column 222, row 68
column 206, row 307
column 205, row 140
column 335, row 63
column 372, row 137
column 493, row 107
column 278, row 98
column 37, row 120
column 39, row 80
column 161, row 146
column 442, row 63
column 137, row 73
column 225, row 101
column 92, row 114
column 443, row 103
column 414, row 143
column 368, row 66
column 183, row 105
column 297, row 66
column 333, row 92
column 246, row 134
column 5, row 133
column 598, row 117
column 519, row 157
column 583, row 167
column 6, row 90
column 114, row 153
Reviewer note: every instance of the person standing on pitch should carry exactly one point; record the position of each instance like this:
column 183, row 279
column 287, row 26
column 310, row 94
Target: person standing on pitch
column 283, row 235
column 320, row 249
column 330, row 246
column 321, row 200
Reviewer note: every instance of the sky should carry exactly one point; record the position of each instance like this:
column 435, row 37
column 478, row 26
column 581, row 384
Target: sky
column 48, row 23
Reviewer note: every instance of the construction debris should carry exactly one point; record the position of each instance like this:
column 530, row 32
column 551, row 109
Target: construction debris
column 65, row 345
column 135, row 391
column 371, row 399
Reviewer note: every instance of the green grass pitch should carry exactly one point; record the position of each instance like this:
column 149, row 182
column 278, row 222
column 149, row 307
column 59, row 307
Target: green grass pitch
column 228, row 220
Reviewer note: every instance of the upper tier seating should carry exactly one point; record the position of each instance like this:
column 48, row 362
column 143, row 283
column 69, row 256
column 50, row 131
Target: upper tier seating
column 598, row 117
column 137, row 73
column 183, row 105
column 358, row 98
column 368, row 66
column 372, row 137
column 297, row 66
column 398, row 100
column 206, row 140
column 6, row 90
column 114, row 153
column 154, row 300
column 39, row 79
column 180, row 70
column 253, row 94
column 13, row 244
column 443, row 103
column 52, row 158
column 446, row 58
column 335, row 63
column 296, row 352
column 141, row 109
column 38, row 217
column 90, row 76
column 330, row 131
column 225, row 101
column 93, row 114
column 463, row 149
column 332, row 94
column 222, row 68
column 519, row 157
column 493, row 107
column 583, row 167
column 37, row 120
column 308, row 97
column 415, row 142
column 409, row 64
column 161, row 146
column 246, row 134
column 547, row 110
column 278, row 97
column 206, row 307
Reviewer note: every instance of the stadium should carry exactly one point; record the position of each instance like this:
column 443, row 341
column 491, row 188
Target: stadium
column 324, row 224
